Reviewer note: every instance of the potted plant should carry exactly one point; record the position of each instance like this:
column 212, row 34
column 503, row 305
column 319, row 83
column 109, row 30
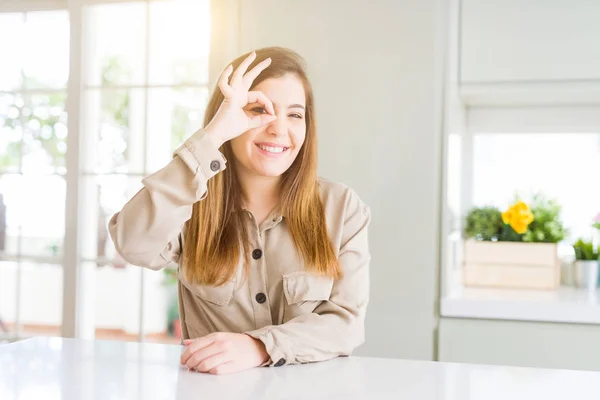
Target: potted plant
column 585, row 267
column 516, row 248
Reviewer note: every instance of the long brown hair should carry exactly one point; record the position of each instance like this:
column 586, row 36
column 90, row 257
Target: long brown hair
column 216, row 233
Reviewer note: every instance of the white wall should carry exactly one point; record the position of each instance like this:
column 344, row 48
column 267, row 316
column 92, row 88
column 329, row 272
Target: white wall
column 529, row 53
column 374, row 66
column 533, row 40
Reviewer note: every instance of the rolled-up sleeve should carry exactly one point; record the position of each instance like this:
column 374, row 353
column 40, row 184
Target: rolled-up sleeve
column 336, row 327
column 146, row 232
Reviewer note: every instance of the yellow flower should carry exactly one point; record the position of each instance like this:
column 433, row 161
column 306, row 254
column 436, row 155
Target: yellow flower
column 507, row 216
column 518, row 216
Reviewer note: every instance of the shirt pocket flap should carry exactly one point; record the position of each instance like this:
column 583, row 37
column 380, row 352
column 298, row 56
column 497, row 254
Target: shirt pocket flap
column 218, row 295
column 305, row 286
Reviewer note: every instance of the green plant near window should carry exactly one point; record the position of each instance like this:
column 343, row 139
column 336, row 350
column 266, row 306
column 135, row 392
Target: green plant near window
column 486, row 223
column 170, row 276
column 170, row 283
column 47, row 112
column 586, row 251
column 115, row 104
column 547, row 226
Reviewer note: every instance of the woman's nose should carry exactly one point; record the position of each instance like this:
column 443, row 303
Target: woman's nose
column 277, row 127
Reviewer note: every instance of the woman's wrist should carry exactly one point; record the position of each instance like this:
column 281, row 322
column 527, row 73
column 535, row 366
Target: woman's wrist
column 214, row 135
column 262, row 349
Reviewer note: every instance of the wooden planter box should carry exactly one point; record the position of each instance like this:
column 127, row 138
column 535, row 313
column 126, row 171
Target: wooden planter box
column 511, row 265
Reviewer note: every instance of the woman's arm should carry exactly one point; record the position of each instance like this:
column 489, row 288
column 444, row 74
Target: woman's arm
column 146, row 231
column 336, row 327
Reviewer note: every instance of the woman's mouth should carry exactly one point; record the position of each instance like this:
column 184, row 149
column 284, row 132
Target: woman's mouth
column 271, row 148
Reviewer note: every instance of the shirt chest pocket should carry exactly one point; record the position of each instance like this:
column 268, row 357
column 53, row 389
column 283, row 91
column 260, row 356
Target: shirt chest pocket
column 216, row 295
column 303, row 292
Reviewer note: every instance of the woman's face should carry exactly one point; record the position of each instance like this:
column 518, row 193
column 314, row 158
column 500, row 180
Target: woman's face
column 271, row 149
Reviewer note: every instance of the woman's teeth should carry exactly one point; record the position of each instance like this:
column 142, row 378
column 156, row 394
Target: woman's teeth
column 272, row 149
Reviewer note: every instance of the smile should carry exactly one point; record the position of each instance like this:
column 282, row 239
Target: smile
column 271, row 148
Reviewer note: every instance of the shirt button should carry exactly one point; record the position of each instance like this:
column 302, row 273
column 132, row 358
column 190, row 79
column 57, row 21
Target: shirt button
column 256, row 254
column 261, row 298
column 280, row 362
column 215, row 165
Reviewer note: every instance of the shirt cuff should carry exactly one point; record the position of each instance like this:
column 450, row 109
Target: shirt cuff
column 200, row 153
column 279, row 353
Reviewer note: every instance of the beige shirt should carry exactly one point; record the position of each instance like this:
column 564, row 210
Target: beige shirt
column 299, row 316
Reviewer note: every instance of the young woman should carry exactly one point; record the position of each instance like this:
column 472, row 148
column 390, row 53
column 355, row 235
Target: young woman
column 273, row 261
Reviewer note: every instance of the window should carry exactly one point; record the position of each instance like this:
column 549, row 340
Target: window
column 563, row 166
column 33, row 145
column 492, row 167
column 143, row 91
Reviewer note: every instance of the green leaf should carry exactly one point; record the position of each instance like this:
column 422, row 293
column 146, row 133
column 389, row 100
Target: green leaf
column 585, row 250
column 484, row 223
column 547, row 225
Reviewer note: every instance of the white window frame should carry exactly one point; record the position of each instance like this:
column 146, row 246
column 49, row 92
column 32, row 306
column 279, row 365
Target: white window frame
column 487, row 119
column 77, row 310
column 524, row 119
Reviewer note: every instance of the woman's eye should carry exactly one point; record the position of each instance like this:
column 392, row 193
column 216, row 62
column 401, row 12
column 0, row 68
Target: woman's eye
column 295, row 115
column 259, row 110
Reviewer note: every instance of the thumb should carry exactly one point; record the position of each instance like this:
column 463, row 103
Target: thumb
column 262, row 119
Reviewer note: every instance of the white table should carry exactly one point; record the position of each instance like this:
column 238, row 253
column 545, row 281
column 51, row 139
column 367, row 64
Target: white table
column 55, row 368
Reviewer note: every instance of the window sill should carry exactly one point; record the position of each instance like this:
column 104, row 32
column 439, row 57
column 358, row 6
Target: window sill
column 565, row 305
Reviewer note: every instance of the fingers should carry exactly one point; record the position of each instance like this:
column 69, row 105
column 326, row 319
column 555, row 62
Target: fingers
column 241, row 70
column 260, row 120
column 203, row 354
column 224, row 368
column 194, row 346
column 223, row 85
column 212, row 362
column 254, row 72
column 259, row 97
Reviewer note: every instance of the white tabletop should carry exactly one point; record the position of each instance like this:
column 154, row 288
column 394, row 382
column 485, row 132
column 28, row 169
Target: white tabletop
column 68, row 369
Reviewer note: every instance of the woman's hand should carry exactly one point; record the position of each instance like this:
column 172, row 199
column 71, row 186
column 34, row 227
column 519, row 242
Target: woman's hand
column 223, row 353
column 231, row 120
